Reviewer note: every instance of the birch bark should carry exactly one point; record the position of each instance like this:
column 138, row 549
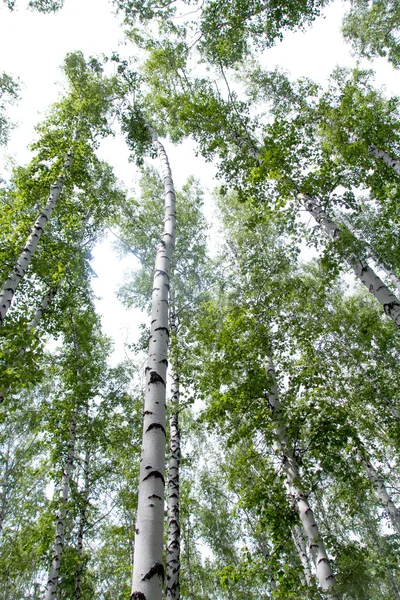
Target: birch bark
column 325, row 576
column 373, row 283
column 18, row 272
column 51, row 587
column 382, row 493
column 173, row 544
column 387, row 159
column 300, row 545
column 82, row 525
column 148, row 570
column 379, row 263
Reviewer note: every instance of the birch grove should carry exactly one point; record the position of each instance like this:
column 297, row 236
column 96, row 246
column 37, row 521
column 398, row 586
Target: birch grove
column 270, row 490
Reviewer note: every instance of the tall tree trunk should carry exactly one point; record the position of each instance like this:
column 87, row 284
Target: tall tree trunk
column 18, row 272
column 373, row 283
column 44, row 305
column 301, row 549
column 381, row 493
column 188, row 560
column 51, row 587
column 383, row 155
column 266, row 554
column 325, row 575
column 379, row 263
column 82, row 525
column 148, row 570
column 173, row 564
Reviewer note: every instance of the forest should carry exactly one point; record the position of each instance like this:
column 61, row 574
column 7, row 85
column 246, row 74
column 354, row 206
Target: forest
column 245, row 445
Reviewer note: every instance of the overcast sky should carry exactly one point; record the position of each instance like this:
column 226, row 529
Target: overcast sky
column 33, row 46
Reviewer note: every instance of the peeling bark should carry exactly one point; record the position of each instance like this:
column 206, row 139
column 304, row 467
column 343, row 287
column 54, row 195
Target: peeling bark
column 373, row 283
column 325, row 576
column 173, row 564
column 387, row 159
column 51, row 587
column 18, row 272
column 148, row 581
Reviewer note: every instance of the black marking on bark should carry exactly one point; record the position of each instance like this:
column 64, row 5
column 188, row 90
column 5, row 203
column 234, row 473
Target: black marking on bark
column 158, row 570
column 156, row 426
column 159, row 272
column 155, row 289
column 151, row 505
column 147, row 369
column 324, row 560
column 156, row 378
column 156, row 475
column 154, row 497
column 137, row 596
column 164, row 361
column 162, row 329
column 136, row 530
column 147, row 412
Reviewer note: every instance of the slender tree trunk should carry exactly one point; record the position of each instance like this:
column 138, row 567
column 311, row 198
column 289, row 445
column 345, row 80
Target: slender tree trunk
column 325, row 575
column 173, row 564
column 266, row 554
column 44, row 305
column 379, row 263
column 82, row 525
column 188, row 560
column 148, row 570
column 383, row 155
column 301, row 549
column 382, row 493
column 8, row 290
column 375, row 285
column 54, row 571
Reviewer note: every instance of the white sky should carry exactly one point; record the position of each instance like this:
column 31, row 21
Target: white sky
column 33, row 46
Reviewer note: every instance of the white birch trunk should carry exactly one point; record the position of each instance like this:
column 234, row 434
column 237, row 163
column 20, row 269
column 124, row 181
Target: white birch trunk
column 173, row 564
column 387, row 159
column 379, row 263
column 44, row 305
column 266, row 554
column 382, row 494
column 148, row 570
column 18, row 272
column 82, row 525
column 373, row 283
column 325, row 576
column 51, row 587
column 301, row 549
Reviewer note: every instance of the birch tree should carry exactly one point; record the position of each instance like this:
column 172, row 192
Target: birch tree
column 78, row 123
